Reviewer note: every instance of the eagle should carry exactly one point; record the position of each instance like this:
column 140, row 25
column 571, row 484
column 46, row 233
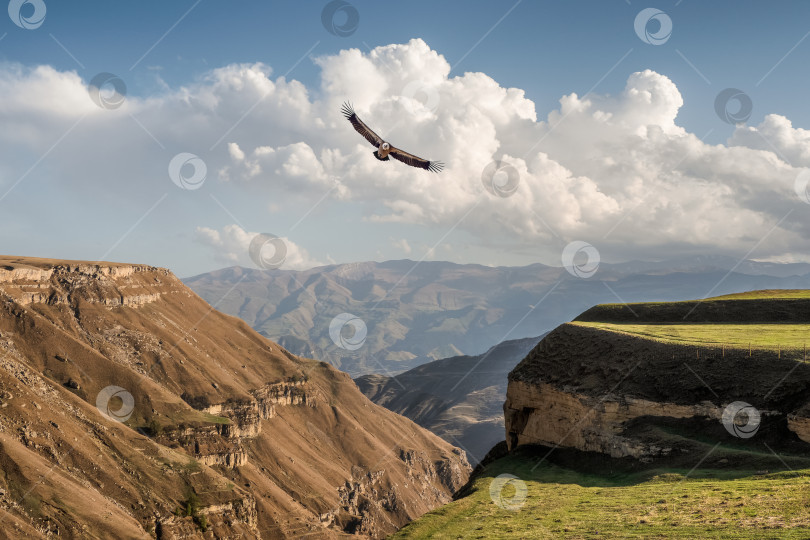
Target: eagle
column 385, row 149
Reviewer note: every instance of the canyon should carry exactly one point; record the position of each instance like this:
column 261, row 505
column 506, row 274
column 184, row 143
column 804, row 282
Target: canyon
column 163, row 417
column 459, row 399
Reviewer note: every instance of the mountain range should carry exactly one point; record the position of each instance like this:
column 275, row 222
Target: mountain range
column 410, row 313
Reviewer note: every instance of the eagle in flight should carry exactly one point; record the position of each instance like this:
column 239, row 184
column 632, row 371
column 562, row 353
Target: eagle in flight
column 383, row 148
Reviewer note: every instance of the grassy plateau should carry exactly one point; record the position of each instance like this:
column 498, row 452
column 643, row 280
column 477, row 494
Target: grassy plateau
column 738, row 336
column 709, row 484
column 677, row 502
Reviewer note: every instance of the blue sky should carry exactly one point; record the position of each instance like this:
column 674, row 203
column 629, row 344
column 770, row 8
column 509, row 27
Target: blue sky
column 546, row 49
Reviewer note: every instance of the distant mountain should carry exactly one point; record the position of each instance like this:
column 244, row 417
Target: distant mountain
column 711, row 263
column 417, row 312
column 459, row 399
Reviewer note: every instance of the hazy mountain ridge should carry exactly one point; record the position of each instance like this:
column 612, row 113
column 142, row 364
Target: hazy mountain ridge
column 460, row 398
column 416, row 312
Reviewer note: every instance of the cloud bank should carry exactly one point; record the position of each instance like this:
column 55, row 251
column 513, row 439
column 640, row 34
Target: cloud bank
column 613, row 170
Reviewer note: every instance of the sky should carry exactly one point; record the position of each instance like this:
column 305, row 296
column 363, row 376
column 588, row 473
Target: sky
column 640, row 130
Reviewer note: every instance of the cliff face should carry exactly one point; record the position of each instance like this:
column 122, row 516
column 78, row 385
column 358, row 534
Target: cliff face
column 129, row 407
column 544, row 414
column 624, row 395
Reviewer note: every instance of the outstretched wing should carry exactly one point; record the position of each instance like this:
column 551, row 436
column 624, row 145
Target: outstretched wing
column 415, row 161
column 359, row 126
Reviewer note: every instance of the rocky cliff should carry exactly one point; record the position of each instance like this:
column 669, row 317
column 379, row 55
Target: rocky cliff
column 628, row 393
column 131, row 408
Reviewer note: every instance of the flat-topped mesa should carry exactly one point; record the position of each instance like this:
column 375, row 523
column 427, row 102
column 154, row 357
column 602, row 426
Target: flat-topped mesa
column 31, row 281
column 621, row 385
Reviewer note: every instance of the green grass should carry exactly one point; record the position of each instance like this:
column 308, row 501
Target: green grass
column 656, row 504
column 769, row 294
column 213, row 419
column 759, row 336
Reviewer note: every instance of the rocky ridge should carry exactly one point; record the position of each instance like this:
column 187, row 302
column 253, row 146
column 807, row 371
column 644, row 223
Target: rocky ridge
column 163, row 417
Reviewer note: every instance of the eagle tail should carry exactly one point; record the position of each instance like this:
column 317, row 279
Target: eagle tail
column 377, row 155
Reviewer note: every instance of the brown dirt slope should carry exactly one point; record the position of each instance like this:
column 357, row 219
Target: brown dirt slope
column 212, row 427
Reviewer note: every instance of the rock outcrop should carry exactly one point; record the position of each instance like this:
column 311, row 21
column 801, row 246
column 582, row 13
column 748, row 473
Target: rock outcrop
column 594, row 389
column 221, row 443
column 544, row 414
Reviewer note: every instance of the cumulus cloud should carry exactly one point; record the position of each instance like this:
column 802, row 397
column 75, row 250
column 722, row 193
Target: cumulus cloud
column 614, row 170
column 230, row 246
column 777, row 134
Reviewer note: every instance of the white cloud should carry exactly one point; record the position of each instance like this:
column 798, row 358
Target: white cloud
column 597, row 164
column 230, row 246
column 402, row 245
column 615, row 170
column 776, row 134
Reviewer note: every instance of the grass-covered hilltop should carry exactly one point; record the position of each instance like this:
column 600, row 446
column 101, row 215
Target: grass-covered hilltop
column 768, row 321
column 652, row 420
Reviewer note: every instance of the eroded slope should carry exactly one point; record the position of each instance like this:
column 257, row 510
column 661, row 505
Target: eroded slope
column 205, row 417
